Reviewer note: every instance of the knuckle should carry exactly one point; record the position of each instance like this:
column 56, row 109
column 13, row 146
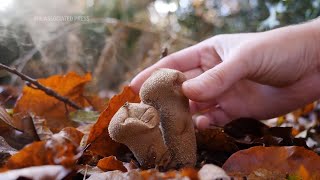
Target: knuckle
column 216, row 77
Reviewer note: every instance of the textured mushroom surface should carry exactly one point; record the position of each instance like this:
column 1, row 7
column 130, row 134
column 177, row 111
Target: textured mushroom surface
column 159, row 130
column 163, row 91
column 137, row 126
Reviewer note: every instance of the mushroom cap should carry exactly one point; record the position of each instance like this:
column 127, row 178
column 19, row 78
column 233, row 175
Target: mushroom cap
column 133, row 119
column 162, row 84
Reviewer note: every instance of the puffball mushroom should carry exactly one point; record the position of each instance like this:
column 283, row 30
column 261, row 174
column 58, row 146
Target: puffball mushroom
column 137, row 126
column 163, row 91
column 159, row 130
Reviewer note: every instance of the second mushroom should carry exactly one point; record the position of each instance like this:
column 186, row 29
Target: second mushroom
column 159, row 131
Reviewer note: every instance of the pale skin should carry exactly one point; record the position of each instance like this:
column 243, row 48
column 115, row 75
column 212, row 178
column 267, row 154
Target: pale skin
column 259, row 75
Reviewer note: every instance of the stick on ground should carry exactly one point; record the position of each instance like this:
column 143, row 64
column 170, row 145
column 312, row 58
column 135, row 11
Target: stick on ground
column 35, row 84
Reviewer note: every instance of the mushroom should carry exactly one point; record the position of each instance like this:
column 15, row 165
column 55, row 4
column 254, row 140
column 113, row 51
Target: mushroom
column 159, row 130
column 163, row 91
column 137, row 126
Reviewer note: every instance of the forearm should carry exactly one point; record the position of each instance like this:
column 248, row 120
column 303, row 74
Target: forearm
column 300, row 42
column 315, row 30
column 309, row 35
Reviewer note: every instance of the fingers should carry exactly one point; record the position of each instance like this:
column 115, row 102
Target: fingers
column 184, row 60
column 196, row 107
column 193, row 73
column 215, row 81
column 215, row 117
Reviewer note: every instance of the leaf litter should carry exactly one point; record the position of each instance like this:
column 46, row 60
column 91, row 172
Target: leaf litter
column 50, row 139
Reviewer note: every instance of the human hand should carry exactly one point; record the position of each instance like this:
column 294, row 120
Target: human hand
column 258, row 75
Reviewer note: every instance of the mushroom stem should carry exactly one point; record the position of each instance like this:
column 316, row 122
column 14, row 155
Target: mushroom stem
column 163, row 91
column 137, row 126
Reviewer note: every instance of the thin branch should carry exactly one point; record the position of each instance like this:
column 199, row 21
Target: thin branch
column 39, row 86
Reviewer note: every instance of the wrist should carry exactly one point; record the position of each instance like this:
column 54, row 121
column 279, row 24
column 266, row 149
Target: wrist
column 314, row 27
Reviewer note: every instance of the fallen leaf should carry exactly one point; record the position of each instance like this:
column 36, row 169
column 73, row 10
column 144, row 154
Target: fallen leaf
column 5, row 147
column 5, row 151
column 173, row 174
column 56, row 151
column 242, row 127
column 97, row 103
column 189, row 172
column 39, row 172
column 70, row 85
column 18, row 138
column 5, row 117
column 210, row 171
column 72, row 134
column 99, row 138
column 248, row 132
column 313, row 137
column 110, row 164
column 215, row 146
column 263, row 174
column 283, row 160
column 43, row 131
column 304, row 110
column 119, row 175
column 215, row 139
column 8, row 96
column 83, row 116
column 25, row 123
column 303, row 173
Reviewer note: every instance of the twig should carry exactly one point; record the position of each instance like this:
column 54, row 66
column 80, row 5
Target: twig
column 39, row 86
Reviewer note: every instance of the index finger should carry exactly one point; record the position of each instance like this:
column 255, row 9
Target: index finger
column 183, row 60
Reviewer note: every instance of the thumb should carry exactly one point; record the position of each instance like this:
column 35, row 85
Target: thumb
column 215, row 81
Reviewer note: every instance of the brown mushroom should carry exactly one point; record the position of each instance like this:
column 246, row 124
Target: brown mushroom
column 137, row 126
column 172, row 144
column 163, row 91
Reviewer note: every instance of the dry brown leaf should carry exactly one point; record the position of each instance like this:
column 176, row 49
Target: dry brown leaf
column 215, row 139
column 56, row 151
column 210, row 171
column 5, row 117
column 38, row 172
column 263, row 174
column 70, row 85
column 189, row 172
column 304, row 110
column 173, row 174
column 99, row 138
column 282, row 160
column 72, row 134
column 5, row 151
column 42, row 129
column 119, row 175
column 97, row 103
column 22, row 134
column 8, row 95
column 110, row 164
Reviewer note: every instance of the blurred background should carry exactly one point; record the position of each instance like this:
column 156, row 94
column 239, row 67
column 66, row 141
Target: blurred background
column 115, row 39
